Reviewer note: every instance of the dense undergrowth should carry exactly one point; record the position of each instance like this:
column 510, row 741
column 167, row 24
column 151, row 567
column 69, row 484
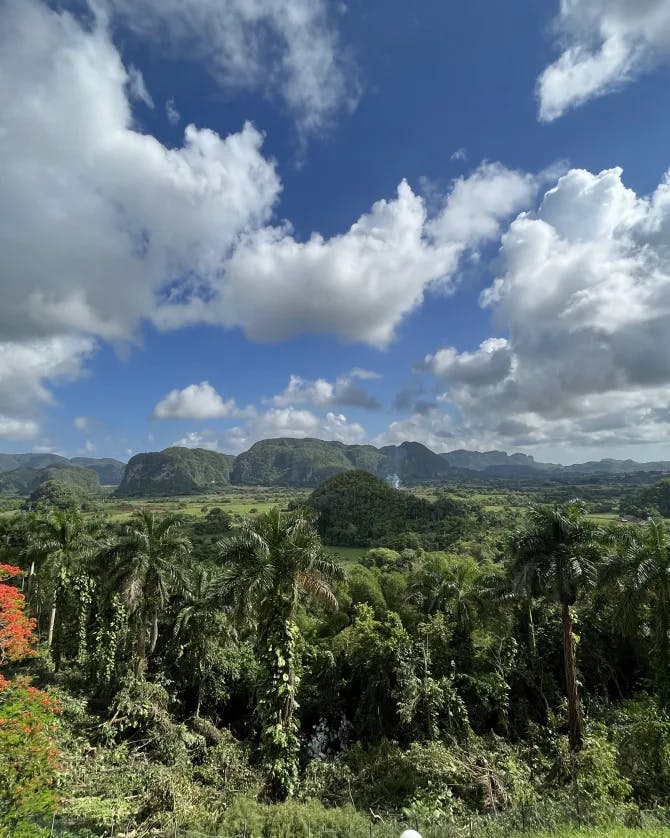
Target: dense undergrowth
column 247, row 686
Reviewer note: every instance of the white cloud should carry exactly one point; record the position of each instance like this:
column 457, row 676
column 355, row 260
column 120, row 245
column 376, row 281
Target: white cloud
column 98, row 219
column 200, row 439
column 606, row 44
column 137, row 87
column 289, row 48
column 197, row 401
column 358, row 285
column 118, row 216
column 173, row 115
column 478, row 203
column 584, row 297
column 82, row 423
column 294, row 422
column 104, row 227
column 25, row 367
column 11, row 428
column 487, row 365
column 460, row 154
column 343, row 392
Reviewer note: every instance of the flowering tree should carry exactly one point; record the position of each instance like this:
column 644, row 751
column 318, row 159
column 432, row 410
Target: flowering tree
column 27, row 717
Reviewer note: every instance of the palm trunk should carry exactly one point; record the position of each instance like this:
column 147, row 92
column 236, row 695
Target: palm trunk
column 154, row 635
column 141, row 652
column 575, row 722
column 52, row 623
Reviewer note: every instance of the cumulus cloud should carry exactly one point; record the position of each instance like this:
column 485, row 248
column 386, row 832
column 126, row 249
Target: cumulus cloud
column 487, row 365
column 130, row 230
column 288, row 48
column 606, row 44
column 372, row 276
column 197, row 401
column 294, row 422
column 94, row 227
column 25, row 368
column 343, row 392
column 584, row 297
column 201, row 439
column 11, row 428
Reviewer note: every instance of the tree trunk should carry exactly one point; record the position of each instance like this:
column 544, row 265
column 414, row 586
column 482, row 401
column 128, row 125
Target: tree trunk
column 575, row 722
column 199, row 704
column 52, row 623
column 154, row 635
column 141, row 652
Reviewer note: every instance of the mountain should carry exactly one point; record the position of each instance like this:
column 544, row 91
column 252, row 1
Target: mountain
column 24, row 480
column 412, row 462
column 292, row 462
column 482, row 460
column 308, row 462
column 175, row 471
column 9, row 462
column 109, row 471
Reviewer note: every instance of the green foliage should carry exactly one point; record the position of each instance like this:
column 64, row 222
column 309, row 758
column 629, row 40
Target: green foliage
column 361, row 510
column 175, row 471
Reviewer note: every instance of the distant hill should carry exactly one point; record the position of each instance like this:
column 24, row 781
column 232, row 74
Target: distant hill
column 300, row 462
column 308, row 462
column 412, row 462
column 109, row 471
column 9, row 462
column 358, row 509
column 23, row 481
column 175, row 471
column 482, row 460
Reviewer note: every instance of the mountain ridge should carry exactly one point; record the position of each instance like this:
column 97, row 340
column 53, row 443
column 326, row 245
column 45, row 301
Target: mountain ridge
column 306, row 463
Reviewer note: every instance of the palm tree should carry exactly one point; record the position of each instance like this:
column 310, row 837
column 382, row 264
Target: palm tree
column 200, row 625
column 556, row 555
column 147, row 569
column 274, row 563
column 640, row 570
column 62, row 541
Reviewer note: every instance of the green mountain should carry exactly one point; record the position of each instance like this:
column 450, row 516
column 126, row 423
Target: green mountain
column 482, row 460
column 175, row 471
column 9, row 462
column 412, row 462
column 290, row 462
column 109, row 471
column 24, row 480
column 360, row 510
column 308, row 462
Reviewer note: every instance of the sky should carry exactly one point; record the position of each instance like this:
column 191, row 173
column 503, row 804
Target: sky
column 228, row 220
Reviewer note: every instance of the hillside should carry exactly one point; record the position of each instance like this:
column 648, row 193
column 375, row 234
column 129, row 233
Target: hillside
column 23, row 481
column 482, row 460
column 109, row 471
column 357, row 509
column 299, row 462
column 175, row 471
column 413, row 463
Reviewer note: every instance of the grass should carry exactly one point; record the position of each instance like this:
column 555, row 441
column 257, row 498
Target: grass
column 348, row 555
column 606, row 832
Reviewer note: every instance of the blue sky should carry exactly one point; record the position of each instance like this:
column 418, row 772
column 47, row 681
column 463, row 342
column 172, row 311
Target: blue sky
column 369, row 222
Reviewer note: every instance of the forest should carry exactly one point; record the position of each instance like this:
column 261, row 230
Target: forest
column 353, row 661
